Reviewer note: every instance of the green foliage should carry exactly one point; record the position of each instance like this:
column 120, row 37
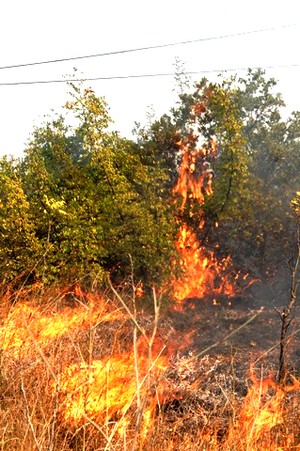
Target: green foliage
column 275, row 167
column 256, row 169
column 260, row 171
column 18, row 244
column 96, row 203
column 210, row 112
column 84, row 201
column 222, row 122
column 157, row 147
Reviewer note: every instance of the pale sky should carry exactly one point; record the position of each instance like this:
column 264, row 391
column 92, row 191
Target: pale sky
column 39, row 30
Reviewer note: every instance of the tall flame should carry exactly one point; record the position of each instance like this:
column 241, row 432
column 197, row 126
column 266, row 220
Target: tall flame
column 203, row 273
column 195, row 175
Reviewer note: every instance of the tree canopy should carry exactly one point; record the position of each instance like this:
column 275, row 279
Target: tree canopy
column 85, row 201
column 256, row 168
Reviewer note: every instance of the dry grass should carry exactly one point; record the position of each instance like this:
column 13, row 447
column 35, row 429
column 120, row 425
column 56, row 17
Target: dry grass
column 79, row 372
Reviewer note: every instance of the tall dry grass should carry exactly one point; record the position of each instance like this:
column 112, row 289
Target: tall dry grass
column 83, row 371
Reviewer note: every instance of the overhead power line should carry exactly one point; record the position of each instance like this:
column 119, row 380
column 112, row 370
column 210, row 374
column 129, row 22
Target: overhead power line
column 132, row 76
column 140, row 49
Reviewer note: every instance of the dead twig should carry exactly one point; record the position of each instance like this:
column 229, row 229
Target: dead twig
column 285, row 315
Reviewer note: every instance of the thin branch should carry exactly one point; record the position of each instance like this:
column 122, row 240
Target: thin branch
column 133, row 319
column 28, row 415
column 285, row 316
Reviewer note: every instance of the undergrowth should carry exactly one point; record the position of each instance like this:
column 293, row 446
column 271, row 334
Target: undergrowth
column 84, row 371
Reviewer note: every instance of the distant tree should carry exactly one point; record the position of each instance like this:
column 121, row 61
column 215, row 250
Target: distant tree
column 273, row 144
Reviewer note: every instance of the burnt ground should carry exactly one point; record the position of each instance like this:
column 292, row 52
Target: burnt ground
column 209, row 375
column 246, row 328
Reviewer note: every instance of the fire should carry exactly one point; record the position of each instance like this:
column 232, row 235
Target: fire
column 203, row 273
column 262, row 410
column 123, row 391
column 111, row 390
column 27, row 324
column 195, row 175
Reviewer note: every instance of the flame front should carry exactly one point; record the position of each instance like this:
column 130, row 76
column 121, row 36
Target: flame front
column 27, row 325
column 114, row 390
column 262, row 410
column 203, row 274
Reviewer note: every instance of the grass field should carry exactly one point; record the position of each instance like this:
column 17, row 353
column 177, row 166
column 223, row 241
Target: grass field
column 84, row 371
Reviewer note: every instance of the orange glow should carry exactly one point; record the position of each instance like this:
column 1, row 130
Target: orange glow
column 106, row 391
column 27, row 324
column 262, row 410
column 203, row 273
column 195, row 176
column 139, row 290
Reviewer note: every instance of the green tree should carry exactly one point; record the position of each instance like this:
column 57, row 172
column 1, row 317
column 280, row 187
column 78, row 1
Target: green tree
column 19, row 246
column 211, row 113
column 97, row 204
column 275, row 164
column 256, row 167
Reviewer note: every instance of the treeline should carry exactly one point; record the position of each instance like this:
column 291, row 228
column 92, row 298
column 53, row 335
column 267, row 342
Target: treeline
column 84, row 201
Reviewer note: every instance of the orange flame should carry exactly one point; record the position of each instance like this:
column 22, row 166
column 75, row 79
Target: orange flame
column 27, row 324
column 262, row 410
column 195, row 176
column 203, row 273
column 107, row 391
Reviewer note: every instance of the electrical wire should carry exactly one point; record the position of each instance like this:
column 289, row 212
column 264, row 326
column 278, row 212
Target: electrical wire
column 133, row 76
column 139, row 49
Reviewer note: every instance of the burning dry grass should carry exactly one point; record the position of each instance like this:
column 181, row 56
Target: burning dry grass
column 87, row 376
column 203, row 272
